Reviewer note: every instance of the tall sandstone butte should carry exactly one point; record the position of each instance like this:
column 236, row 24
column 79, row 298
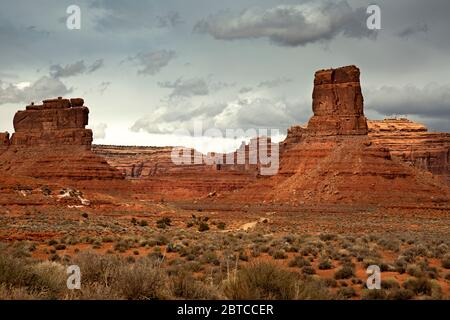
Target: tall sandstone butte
column 51, row 142
column 335, row 162
column 338, row 103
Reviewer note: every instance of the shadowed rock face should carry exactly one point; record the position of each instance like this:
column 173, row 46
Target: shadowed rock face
column 337, row 103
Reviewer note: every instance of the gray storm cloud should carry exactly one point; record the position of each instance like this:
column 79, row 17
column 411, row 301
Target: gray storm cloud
column 150, row 63
column 430, row 101
column 74, row 69
column 288, row 25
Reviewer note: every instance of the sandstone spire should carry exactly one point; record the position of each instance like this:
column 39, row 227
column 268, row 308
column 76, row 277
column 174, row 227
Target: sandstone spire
column 337, row 103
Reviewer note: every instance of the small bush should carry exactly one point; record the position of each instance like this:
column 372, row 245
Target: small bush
column 60, row 247
column 325, row 264
column 163, row 223
column 185, row 286
column 143, row 223
column 400, row 294
column 142, row 280
column 308, row 270
column 203, row 226
column 279, row 254
column 221, row 226
column 374, row 294
column 347, row 292
column 345, row 272
column 414, row 270
column 420, row 286
column 389, row 284
column 261, row 281
column 299, row 262
column 446, row 262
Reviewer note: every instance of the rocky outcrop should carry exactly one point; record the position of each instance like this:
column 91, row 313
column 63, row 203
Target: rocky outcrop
column 337, row 103
column 55, row 122
column 412, row 143
column 335, row 161
column 51, row 142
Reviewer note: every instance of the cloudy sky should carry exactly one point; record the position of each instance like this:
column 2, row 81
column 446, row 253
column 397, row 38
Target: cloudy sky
column 149, row 68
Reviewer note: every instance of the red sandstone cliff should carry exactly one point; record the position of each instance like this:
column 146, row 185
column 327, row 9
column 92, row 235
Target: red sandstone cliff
column 412, row 143
column 336, row 162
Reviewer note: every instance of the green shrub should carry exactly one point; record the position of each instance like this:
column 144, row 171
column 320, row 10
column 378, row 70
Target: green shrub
column 400, row 294
column 203, row 226
column 420, row 286
column 163, row 223
column 308, row 270
column 374, row 294
column 346, row 292
column 390, row 284
column 299, row 262
column 221, row 226
column 345, row 272
column 143, row 223
column 325, row 264
column 279, row 254
column 446, row 261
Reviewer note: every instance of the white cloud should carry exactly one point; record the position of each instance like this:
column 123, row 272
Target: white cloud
column 43, row 88
column 99, row 131
column 251, row 113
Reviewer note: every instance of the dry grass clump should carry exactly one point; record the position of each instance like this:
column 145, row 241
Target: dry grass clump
column 263, row 280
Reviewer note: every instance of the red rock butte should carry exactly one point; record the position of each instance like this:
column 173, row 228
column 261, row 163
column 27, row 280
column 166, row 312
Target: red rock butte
column 337, row 103
column 50, row 141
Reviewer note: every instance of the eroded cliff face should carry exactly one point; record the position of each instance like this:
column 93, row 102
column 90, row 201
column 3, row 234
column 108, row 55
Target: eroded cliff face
column 51, row 142
column 412, row 143
column 155, row 175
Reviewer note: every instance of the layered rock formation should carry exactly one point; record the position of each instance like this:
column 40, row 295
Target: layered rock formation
column 412, row 143
column 156, row 175
column 56, row 122
column 337, row 103
column 336, row 162
column 51, row 142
